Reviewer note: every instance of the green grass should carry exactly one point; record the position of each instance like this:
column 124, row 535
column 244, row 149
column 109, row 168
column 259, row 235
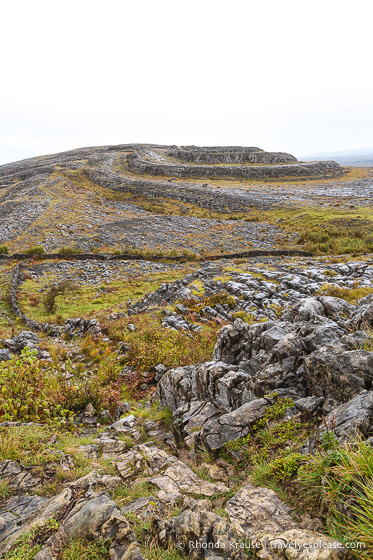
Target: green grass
column 81, row 301
column 153, row 412
column 24, row 549
column 31, row 445
column 130, row 491
column 85, row 550
column 151, row 344
column 153, row 552
column 339, row 483
column 4, row 489
column 37, row 445
column 352, row 295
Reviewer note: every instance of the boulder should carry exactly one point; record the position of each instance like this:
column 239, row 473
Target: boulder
column 232, row 426
column 253, row 508
column 298, row 544
column 270, row 531
column 363, row 316
column 307, row 309
column 199, row 533
column 5, row 354
column 337, row 373
column 143, row 459
column 190, row 419
column 352, row 419
column 335, row 308
column 19, row 342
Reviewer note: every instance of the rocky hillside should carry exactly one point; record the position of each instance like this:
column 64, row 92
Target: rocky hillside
column 159, row 400
column 164, row 198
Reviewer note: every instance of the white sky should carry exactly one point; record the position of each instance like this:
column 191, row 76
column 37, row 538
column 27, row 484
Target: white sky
column 284, row 75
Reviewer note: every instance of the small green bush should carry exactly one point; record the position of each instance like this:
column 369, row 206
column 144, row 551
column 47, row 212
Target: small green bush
column 4, row 250
column 49, row 300
column 28, row 392
column 335, row 241
column 285, row 467
column 36, row 250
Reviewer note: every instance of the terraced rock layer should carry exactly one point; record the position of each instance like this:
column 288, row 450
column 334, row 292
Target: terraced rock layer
column 274, row 165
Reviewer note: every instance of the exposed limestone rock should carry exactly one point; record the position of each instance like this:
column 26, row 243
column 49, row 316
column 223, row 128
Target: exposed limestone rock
column 93, row 518
column 145, row 459
column 190, row 419
column 179, row 478
column 232, row 426
column 352, row 419
column 200, row 533
column 363, row 316
column 337, row 373
column 253, row 508
column 23, row 513
column 17, row 477
column 259, row 516
column 296, row 544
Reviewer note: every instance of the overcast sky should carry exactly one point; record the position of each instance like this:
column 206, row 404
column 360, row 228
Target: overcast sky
column 285, row 75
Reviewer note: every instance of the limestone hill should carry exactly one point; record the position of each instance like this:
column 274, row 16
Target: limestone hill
column 156, row 198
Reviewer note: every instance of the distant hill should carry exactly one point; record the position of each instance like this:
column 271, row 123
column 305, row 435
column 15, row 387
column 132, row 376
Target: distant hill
column 356, row 158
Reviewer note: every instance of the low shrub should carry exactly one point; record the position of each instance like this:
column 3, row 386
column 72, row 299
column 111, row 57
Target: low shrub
column 210, row 301
column 33, row 391
column 49, row 300
column 35, row 250
column 4, row 250
column 352, row 295
column 151, row 345
column 335, row 241
column 29, row 391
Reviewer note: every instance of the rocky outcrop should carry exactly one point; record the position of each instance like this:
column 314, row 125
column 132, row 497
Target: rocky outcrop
column 258, row 523
column 337, row 372
column 308, row 354
column 230, row 427
column 83, row 510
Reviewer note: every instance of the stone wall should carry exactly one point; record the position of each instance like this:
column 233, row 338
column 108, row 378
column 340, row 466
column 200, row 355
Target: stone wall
column 18, row 276
column 192, row 154
column 124, row 257
column 190, row 194
column 314, row 169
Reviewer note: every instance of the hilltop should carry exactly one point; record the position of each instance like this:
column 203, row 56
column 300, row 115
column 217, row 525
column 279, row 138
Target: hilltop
column 158, row 198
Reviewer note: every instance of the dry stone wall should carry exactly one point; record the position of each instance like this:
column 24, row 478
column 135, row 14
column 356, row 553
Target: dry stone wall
column 313, row 169
column 228, row 155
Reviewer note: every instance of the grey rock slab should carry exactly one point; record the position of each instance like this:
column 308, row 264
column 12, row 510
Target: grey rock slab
column 253, row 508
column 298, row 544
column 337, row 374
column 22, row 514
column 352, row 419
column 179, row 478
column 232, row 426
